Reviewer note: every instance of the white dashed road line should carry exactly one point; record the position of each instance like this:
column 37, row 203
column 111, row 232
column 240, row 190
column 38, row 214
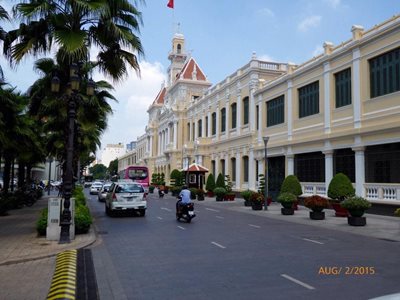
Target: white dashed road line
column 312, row 241
column 210, row 209
column 167, row 209
column 159, row 218
column 218, row 245
column 307, row 286
column 219, row 217
column 180, row 227
column 255, row 226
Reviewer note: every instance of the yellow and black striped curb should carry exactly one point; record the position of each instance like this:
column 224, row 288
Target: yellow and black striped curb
column 63, row 285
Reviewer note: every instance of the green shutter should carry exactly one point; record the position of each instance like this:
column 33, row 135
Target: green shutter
column 309, row 100
column 276, row 111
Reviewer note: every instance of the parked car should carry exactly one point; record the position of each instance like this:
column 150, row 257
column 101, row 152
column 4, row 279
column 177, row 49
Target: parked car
column 95, row 188
column 103, row 192
column 126, row 195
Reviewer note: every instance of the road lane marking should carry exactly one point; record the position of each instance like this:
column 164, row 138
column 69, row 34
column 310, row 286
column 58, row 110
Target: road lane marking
column 218, row 245
column 307, row 286
column 167, row 209
column 255, row 226
column 180, row 227
column 219, row 217
column 210, row 209
column 159, row 218
column 312, row 241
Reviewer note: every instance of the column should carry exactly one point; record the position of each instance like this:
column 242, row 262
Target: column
column 159, row 144
column 260, row 118
column 151, row 146
column 238, row 170
column 252, row 106
column 190, row 131
column 327, row 100
column 196, row 130
column 289, row 109
column 217, row 162
column 356, row 87
column 360, row 170
column 175, row 134
column 290, row 164
column 226, row 157
column 328, row 168
column 252, row 176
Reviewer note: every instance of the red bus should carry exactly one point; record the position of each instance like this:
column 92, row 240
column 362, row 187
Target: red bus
column 139, row 174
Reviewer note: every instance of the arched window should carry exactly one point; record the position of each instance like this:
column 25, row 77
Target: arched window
column 233, row 115
column 223, row 119
column 233, row 168
column 199, row 128
column 213, row 123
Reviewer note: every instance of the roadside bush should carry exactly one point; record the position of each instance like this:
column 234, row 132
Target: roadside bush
column 82, row 219
column 291, row 184
column 41, row 223
column 340, row 187
column 193, row 192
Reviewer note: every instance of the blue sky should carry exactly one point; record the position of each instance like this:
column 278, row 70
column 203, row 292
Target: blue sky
column 222, row 34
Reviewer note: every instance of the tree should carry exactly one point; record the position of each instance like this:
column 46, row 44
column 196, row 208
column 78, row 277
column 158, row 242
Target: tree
column 113, row 167
column 210, row 184
column 220, row 181
column 99, row 171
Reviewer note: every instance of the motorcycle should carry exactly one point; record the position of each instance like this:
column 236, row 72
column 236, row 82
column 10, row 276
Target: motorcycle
column 184, row 211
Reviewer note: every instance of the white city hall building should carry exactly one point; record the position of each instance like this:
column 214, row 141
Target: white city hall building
column 338, row 112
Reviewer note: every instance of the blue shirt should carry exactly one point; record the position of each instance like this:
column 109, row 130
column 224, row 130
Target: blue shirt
column 185, row 195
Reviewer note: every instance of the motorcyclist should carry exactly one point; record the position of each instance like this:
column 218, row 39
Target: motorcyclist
column 184, row 198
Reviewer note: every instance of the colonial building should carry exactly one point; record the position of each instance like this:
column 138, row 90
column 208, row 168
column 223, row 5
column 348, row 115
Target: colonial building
column 338, row 112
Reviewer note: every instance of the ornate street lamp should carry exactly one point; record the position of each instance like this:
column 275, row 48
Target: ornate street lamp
column 265, row 138
column 49, row 160
column 74, row 84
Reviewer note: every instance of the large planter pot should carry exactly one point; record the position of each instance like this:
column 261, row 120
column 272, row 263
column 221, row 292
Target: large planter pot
column 200, row 197
column 287, row 205
column 287, row 211
column 317, row 215
column 229, row 197
column 210, row 194
column 257, row 205
column 247, row 203
column 339, row 210
column 357, row 221
column 219, row 198
column 356, row 212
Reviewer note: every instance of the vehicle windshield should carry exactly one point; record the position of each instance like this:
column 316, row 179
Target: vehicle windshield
column 129, row 188
column 137, row 174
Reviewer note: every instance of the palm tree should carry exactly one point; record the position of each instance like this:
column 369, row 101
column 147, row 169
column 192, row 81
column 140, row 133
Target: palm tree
column 74, row 27
column 3, row 16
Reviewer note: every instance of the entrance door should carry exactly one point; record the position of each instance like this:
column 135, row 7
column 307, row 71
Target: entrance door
column 276, row 175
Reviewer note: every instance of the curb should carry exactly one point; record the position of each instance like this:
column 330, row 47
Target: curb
column 63, row 285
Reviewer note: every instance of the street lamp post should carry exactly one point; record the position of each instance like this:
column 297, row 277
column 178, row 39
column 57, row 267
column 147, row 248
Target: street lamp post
column 266, row 138
column 75, row 79
column 49, row 160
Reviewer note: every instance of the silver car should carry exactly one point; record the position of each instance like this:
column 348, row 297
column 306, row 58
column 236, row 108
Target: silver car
column 103, row 192
column 95, row 188
column 126, row 196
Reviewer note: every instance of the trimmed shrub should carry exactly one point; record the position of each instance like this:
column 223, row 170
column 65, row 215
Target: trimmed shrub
column 246, row 195
column 82, row 219
column 261, row 179
column 210, row 184
column 340, row 187
column 220, row 181
column 219, row 192
column 287, row 198
column 291, row 184
column 193, row 192
column 176, row 177
column 41, row 223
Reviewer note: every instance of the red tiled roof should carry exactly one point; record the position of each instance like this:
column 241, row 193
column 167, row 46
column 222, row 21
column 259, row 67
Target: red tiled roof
column 160, row 97
column 196, row 168
column 188, row 71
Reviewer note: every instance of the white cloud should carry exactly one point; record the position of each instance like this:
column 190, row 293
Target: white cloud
column 334, row 3
column 134, row 95
column 317, row 50
column 309, row 22
column 266, row 12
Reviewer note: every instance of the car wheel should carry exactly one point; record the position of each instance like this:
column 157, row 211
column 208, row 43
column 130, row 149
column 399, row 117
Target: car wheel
column 142, row 212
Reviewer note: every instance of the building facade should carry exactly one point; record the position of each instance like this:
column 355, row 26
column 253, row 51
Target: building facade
column 338, row 112
column 111, row 152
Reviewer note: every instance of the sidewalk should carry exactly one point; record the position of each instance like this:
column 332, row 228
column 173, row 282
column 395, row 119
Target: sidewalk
column 27, row 262
column 378, row 226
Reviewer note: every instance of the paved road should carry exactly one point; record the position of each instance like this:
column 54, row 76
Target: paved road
column 225, row 254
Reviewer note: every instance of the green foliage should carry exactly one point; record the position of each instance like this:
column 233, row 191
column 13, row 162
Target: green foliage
column 176, row 177
column 246, row 195
column 113, row 167
column 219, row 191
column 82, row 219
column 79, row 196
column 193, row 192
column 228, row 185
column 220, row 181
column 210, row 184
column 397, row 212
column 355, row 203
column 5, row 204
column 291, row 185
column 340, row 187
column 151, row 189
column 41, row 223
column 287, row 198
column 257, row 197
column 99, row 171
column 200, row 192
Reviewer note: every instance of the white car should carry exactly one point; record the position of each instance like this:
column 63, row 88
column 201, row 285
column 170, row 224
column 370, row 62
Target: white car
column 103, row 192
column 126, row 196
column 95, row 188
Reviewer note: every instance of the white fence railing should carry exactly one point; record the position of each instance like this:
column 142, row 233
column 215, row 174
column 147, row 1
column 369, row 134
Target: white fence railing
column 372, row 191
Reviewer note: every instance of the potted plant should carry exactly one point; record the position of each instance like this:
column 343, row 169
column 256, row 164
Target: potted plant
column 287, row 200
column 210, row 185
column 339, row 189
column 230, row 195
column 397, row 212
column 291, row 184
column 356, row 207
column 261, row 187
column 317, row 204
column 151, row 189
column 247, row 196
column 257, row 201
column 219, row 193
column 193, row 192
column 200, row 194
